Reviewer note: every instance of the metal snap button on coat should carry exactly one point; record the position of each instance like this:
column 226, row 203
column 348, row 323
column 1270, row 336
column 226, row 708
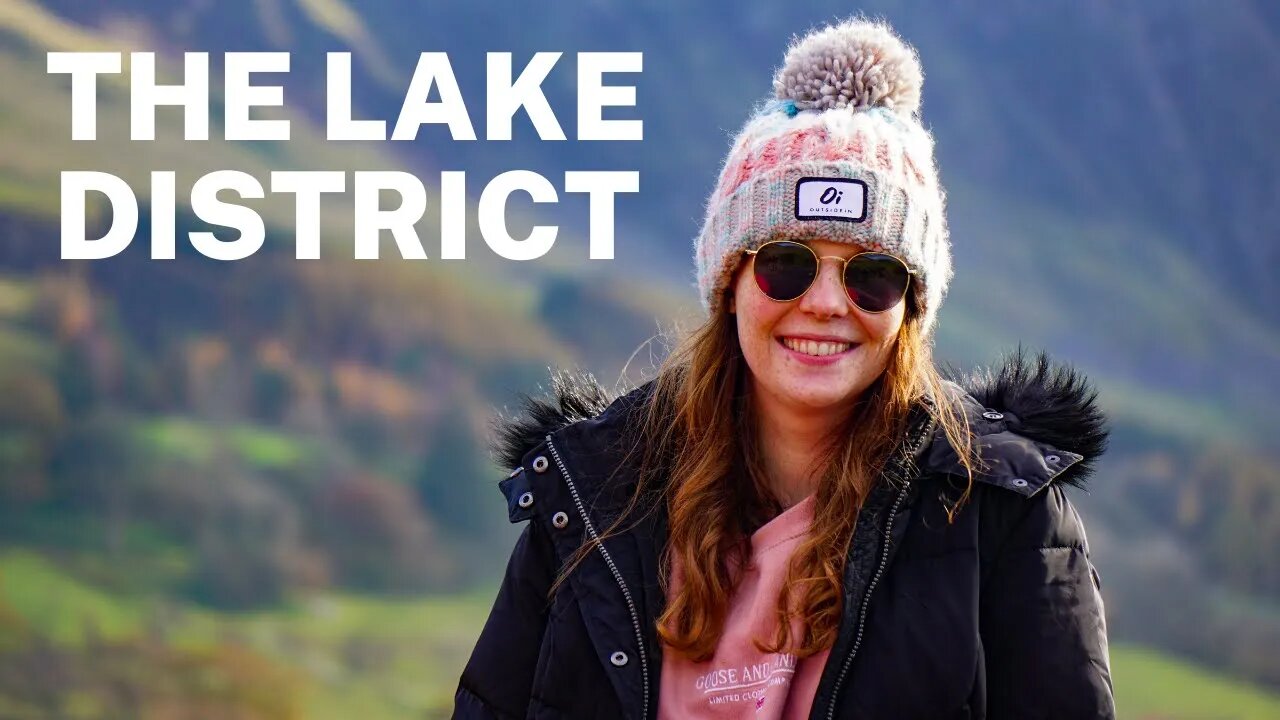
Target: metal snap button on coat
column 560, row 520
column 619, row 659
column 993, row 415
column 540, row 464
column 1051, row 458
column 525, row 500
column 1019, row 482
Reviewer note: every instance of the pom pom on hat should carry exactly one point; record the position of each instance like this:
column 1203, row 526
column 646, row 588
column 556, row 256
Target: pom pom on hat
column 858, row 64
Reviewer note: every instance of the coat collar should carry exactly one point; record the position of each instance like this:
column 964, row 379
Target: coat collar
column 1034, row 422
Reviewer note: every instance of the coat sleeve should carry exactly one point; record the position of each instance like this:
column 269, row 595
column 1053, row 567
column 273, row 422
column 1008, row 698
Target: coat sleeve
column 1042, row 622
column 498, row 679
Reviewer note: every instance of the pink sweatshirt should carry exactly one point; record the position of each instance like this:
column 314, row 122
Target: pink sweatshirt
column 740, row 681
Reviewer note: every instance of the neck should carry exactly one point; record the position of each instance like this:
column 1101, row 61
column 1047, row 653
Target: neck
column 790, row 440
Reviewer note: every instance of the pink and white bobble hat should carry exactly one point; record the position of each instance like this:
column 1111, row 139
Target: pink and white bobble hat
column 838, row 154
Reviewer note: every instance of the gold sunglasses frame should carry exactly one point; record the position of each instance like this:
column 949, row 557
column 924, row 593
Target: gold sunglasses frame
column 844, row 267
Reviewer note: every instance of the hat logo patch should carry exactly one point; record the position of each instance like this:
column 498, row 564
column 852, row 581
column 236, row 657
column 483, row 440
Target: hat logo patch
column 831, row 199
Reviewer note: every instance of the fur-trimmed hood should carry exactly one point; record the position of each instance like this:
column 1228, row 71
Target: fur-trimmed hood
column 1034, row 421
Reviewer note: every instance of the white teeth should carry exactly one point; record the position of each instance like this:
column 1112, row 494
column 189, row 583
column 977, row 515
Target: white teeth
column 812, row 347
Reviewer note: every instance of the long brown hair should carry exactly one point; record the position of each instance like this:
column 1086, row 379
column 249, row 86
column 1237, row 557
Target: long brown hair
column 700, row 451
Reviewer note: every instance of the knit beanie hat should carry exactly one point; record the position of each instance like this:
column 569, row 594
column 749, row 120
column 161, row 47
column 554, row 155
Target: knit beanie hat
column 846, row 116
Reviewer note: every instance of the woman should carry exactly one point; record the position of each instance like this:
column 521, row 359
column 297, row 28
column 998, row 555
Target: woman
column 799, row 518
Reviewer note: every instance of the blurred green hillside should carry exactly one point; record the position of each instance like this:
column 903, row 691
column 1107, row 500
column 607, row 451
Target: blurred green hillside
column 334, row 657
column 260, row 489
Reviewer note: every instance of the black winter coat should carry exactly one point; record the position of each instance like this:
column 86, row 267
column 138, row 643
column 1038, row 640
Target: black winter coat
column 998, row 615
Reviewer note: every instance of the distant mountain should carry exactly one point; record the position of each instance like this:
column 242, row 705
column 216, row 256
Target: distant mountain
column 1132, row 146
column 1156, row 113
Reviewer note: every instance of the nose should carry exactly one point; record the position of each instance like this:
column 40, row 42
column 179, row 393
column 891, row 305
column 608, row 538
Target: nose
column 827, row 297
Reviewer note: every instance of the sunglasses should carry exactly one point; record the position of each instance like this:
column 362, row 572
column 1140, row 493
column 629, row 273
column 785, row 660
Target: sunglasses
column 785, row 270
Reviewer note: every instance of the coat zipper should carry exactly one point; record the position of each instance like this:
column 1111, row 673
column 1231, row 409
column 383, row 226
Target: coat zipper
column 875, row 579
column 626, row 593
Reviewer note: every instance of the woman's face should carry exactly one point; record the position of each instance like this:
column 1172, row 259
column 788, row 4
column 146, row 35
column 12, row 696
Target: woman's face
column 781, row 341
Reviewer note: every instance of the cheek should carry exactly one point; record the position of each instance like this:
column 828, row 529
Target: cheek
column 884, row 332
column 756, row 316
column 886, row 327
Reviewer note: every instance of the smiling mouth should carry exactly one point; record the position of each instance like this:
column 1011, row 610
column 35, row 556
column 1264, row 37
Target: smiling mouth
column 816, row 348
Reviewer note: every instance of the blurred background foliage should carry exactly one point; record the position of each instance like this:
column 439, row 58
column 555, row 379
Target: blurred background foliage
column 260, row 489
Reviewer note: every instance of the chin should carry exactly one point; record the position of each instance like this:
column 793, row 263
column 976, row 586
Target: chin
column 818, row 398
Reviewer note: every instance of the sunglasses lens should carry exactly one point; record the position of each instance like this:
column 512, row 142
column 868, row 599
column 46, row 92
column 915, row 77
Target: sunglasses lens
column 876, row 282
column 784, row 270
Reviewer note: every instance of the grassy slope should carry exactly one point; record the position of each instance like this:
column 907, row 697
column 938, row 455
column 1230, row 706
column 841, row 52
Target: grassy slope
column 381, row 659
column 361, row 657
column 1151, row 685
